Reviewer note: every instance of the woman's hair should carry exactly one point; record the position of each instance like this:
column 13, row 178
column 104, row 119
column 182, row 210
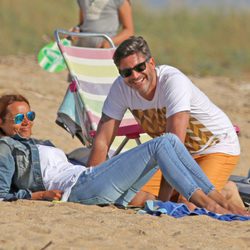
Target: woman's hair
column 131, row 46
column 6, row 100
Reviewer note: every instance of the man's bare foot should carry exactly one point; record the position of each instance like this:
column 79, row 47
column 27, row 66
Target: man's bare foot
column 140, row 199
column 226, row 204
column 189, row 204
column 216, row 208
column 238, row 210
column 214, row 201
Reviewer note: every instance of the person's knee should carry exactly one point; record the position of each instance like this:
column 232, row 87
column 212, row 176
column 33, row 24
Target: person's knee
column 168, row 138
column 229, row 189
column 231, row 193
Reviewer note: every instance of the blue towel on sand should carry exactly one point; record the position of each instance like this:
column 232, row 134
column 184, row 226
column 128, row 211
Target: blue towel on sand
column 178, row 210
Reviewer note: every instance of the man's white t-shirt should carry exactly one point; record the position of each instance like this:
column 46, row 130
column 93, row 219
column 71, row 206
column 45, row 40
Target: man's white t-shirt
column 209, row 130
column 57, row 172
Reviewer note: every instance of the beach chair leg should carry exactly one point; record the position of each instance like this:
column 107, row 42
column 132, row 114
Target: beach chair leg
column 124, row 142
column 119, row 149
column 138, row 141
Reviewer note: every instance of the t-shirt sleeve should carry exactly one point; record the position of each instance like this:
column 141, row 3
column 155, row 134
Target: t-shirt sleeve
column 178, row 91
column 115, row 103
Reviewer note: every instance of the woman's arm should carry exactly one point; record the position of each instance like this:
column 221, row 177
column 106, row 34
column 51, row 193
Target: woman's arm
column 7, row 170
column 81, row 17
column 76, row 28
column 127, row 26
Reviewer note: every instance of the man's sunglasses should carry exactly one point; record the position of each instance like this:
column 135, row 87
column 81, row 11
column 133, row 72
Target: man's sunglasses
column 138, row 68
column 18, row 119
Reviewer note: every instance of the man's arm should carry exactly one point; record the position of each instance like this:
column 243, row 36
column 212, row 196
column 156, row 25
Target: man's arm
column 176, row 124
column 104, row 137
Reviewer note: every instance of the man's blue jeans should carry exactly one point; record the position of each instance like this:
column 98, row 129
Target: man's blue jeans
column 118, row 179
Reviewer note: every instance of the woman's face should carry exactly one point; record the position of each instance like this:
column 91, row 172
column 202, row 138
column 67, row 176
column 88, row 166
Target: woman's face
column 8, row 124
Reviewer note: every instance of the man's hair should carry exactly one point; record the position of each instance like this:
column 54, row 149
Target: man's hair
column 131, row 46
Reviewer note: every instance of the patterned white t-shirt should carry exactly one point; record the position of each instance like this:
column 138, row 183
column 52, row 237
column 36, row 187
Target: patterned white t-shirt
column 209, row 130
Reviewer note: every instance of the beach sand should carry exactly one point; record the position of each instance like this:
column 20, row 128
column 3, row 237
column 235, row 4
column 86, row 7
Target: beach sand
column 46, row 225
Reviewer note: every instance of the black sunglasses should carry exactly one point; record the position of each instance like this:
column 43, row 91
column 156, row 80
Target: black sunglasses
column 138, row 68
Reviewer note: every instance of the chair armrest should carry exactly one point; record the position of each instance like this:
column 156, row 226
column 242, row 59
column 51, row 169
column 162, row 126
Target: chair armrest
column 130, row 131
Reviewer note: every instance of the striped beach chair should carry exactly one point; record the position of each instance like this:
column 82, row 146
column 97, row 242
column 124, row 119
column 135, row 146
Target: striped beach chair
column 92, row 72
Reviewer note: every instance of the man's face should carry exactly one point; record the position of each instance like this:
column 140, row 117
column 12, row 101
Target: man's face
column 144, row 81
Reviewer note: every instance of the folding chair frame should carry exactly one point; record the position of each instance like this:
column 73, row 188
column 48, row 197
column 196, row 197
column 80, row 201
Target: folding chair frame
column 130, row 131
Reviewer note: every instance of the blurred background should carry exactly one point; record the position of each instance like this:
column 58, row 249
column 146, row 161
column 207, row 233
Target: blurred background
column 198, row 36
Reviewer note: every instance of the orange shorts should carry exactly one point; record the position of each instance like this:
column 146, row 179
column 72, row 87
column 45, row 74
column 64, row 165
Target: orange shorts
column 153, row 185
column 217, row 167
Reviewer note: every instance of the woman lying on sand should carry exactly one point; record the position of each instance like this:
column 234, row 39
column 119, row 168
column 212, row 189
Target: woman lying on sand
column 33, row 169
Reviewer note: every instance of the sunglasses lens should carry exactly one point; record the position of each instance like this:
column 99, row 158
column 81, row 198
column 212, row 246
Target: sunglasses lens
column 19, row 118
column 140, row 67
column 125, row 72
column 31, row 115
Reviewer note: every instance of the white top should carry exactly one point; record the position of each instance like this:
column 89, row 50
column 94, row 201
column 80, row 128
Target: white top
column 209, row 131
column 57, row 171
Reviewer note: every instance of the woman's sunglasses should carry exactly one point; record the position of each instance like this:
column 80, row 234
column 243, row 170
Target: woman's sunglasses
column 18, row 119
column 138, row 68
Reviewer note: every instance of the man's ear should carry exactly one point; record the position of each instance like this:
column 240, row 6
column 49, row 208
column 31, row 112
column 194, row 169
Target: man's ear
column 152, row 61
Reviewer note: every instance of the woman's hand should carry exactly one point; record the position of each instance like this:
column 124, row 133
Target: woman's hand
column 49, row 195
column 75, row 29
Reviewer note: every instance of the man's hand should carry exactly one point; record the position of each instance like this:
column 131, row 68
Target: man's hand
column 48, row 195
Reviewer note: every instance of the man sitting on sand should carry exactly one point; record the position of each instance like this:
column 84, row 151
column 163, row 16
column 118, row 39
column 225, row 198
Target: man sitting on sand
column 163, row 99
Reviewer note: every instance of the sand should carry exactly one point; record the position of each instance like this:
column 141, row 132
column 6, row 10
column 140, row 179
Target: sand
column 46, row 225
